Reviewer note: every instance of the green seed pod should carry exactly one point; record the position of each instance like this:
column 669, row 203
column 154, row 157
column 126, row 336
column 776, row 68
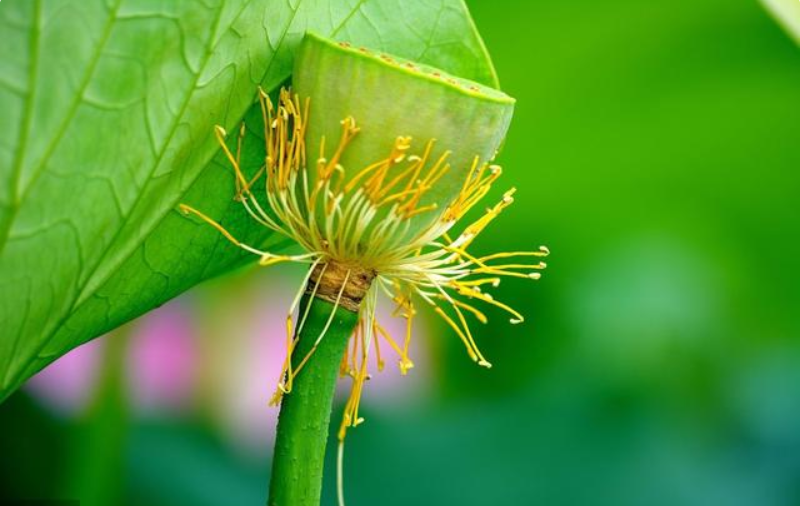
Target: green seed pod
column 390, row 97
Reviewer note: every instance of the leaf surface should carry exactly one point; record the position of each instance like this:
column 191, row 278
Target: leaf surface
column 108, row 114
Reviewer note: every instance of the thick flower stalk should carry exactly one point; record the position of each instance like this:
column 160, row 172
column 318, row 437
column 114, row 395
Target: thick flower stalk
column 372, row 164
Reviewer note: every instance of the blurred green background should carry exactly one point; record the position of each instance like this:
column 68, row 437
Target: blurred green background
column 655, row 150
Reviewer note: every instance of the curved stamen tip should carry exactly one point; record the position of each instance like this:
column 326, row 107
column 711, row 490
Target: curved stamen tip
column 515, row 321
column 535, row 275
column 485, row 363
column 220, row 131
column 544, row 249
column 405, row 365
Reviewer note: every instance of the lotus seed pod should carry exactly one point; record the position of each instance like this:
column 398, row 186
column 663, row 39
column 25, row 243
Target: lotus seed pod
column 390, row 97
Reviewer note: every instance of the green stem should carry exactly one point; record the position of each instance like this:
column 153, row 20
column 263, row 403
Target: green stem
column 306, row 412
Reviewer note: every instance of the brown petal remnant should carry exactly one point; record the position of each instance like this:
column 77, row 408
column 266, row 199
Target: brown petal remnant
column 334, row 281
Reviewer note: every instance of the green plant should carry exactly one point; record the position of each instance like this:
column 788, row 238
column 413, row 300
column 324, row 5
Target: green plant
column 378, row 211
column 107, row 108
column 103, row 159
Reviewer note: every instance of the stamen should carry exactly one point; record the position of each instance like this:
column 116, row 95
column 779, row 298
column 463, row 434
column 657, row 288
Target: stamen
column 378, row 360
column 185, row 209
column 459, row 332
column 221, row 134
column 340, row 473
